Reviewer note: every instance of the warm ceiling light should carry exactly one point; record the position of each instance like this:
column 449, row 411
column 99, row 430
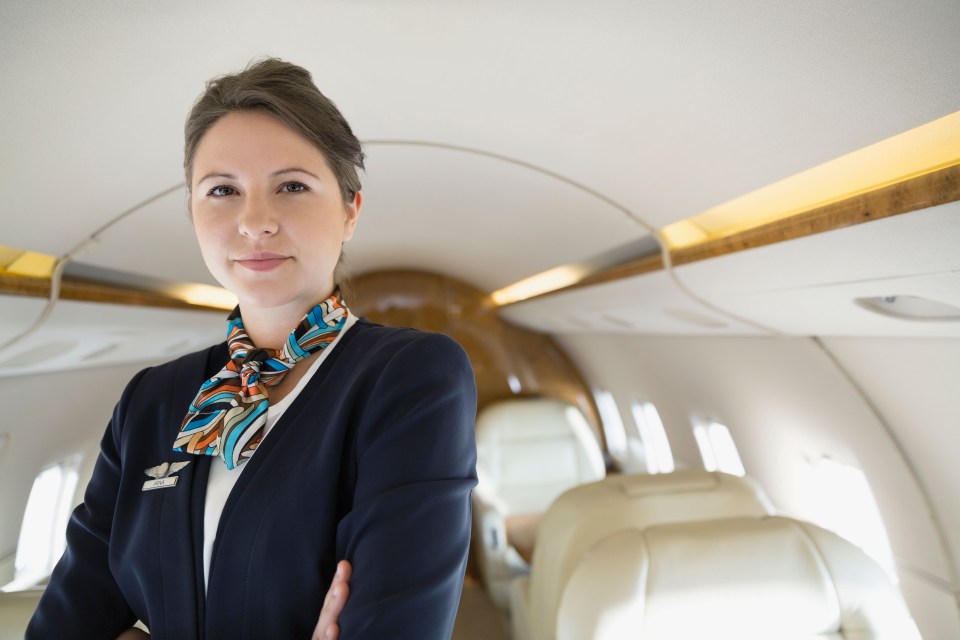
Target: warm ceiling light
column 26, row 263
column 555, row 278
column 203, row 295
column 928, row 148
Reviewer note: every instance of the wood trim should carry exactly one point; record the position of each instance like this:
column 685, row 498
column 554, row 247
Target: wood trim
column 499, row 351
column 87, row 291
column 921, row 192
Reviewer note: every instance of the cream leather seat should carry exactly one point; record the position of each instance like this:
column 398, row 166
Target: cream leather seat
column 589, row 513
column 16, row 609
column 529, row 451
column 739, row 578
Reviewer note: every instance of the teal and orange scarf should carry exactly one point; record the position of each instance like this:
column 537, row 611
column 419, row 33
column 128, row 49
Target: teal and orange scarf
column 229, row 415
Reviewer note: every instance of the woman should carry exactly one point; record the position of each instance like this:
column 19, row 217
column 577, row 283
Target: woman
column 310, row 437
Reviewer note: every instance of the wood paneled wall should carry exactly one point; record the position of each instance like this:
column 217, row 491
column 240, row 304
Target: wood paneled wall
column 501, row 353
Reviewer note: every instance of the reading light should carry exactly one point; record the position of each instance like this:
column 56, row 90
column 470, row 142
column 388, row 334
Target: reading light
column 910, row 308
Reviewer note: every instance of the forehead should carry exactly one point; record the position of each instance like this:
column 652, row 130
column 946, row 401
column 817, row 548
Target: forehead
column 252, row 141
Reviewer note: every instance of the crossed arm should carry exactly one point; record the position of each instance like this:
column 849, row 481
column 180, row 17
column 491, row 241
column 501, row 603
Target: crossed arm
column 327, row 627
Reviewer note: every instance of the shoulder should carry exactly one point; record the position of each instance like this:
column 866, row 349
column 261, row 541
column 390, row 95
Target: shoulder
column 386, row 344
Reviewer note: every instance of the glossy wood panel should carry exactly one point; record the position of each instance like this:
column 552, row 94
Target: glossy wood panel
column 509, row 361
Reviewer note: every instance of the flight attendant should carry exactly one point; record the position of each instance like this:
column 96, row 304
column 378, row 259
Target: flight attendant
column 233, row 480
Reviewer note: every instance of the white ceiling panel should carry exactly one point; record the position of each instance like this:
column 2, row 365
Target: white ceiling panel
column 476, row 218
column 830, row 310
column 915, row 243
column 800, row 287
column 82, row 334
column 667, row 107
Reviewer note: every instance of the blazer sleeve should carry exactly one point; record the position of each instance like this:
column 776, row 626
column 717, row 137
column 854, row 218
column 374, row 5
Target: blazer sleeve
column 82, row 599
column 408, row 532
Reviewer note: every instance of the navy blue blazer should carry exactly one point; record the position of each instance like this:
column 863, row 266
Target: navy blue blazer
column 374, row 462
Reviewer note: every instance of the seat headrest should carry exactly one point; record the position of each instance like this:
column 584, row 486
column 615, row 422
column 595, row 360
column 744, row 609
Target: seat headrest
column 531, row 450
column 524, row 419
column 588, row 513
column 743, row 578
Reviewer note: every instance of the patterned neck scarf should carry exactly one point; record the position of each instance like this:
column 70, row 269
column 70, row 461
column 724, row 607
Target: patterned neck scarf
column 229, row 415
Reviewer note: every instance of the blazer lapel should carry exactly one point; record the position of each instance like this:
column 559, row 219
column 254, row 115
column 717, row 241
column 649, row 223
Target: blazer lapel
column 181, row 518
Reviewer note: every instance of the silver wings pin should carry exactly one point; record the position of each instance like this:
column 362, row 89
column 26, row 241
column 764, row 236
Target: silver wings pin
column 163, row 475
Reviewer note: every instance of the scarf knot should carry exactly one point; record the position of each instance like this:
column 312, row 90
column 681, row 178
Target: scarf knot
column 228, row 416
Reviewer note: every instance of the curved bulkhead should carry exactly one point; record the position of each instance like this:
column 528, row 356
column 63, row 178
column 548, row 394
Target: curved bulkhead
column 700, row 225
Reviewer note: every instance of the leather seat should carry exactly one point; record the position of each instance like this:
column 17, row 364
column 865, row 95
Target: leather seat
column 589, row 513
column 529, row 451
column 738, row 578
column 16, row 609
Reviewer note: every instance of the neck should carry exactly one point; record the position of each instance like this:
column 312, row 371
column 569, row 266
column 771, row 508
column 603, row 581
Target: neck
column 271, row 326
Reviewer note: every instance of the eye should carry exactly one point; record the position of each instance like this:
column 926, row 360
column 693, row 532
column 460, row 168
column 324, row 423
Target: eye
column 294, row 187
column 221, row 191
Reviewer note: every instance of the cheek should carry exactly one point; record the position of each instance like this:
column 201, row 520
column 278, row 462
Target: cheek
column 209, row 240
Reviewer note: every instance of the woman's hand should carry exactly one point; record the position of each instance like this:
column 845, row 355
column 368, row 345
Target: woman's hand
column 327, row 627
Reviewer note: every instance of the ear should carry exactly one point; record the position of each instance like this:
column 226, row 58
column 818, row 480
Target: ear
column 352, row 210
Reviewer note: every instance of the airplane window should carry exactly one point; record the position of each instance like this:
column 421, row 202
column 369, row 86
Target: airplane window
column 717, row 448
column 658, row 456
column 42, row 532
column 613, row 428
column 839, row 499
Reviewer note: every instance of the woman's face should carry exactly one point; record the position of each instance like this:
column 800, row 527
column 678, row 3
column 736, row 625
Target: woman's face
column 268, row 213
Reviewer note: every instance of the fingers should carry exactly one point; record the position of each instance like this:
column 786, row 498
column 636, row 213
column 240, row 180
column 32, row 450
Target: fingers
column 327, row 627
column 344, row 570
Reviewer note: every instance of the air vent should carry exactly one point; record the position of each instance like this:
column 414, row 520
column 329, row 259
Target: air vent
column 617, row 321
column 99, row 353
column 39, row 354
column 698, row 319
column 910, row 308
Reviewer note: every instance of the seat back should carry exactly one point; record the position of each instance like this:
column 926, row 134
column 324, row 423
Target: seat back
column 589, row 513
column 16, row 609
column 737, row 578
column 529, row 451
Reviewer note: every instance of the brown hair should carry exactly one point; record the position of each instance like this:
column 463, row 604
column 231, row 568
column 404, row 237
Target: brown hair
column 287, row 92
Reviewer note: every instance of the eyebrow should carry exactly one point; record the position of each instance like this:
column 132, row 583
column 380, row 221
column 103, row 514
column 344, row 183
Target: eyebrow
column 294, row 170
column 230, row 176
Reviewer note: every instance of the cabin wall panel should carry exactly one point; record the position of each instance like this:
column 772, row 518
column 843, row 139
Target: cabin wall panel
column 786, row 404
column 49, row 417
column 17, row 314
column 934, row 610
column 914, row 384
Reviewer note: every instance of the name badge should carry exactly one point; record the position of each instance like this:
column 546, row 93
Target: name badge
column 162, row 475
column 162, row 483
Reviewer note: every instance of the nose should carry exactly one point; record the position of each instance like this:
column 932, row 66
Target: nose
column 257, row 218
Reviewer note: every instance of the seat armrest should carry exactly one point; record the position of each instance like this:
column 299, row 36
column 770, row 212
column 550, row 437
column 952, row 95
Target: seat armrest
column 520, row 607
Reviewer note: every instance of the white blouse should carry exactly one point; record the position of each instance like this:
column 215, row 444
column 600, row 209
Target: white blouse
column 221, row 479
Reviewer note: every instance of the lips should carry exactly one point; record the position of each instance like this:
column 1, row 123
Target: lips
column 261, row 261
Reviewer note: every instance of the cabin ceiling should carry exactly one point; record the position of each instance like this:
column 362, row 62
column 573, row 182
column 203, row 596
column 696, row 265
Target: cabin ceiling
column 493, row 129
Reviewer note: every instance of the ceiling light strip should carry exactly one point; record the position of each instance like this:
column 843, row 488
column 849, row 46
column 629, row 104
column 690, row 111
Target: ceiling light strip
column 923, row 150
column 87, row 291
column 919, row 191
